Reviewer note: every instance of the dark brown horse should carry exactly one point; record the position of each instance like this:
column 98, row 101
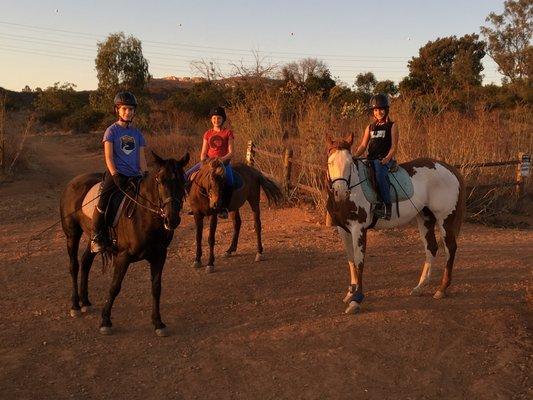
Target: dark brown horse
column 144, row 236
column 205, row 198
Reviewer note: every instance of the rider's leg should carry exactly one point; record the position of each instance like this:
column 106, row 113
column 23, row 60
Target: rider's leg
column 99, row 239
column 384, row 186
column 228, row 190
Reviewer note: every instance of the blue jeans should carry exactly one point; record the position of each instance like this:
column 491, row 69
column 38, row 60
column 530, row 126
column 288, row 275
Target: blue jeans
column 382, row 176
column 229, row 173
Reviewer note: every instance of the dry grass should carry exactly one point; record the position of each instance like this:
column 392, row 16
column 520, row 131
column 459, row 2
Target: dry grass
column 14, row 130
column 454, row 137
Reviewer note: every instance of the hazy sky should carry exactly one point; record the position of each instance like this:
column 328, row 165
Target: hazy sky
column 42, row 42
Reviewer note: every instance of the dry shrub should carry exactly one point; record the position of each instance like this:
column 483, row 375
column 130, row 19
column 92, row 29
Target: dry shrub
column 455, row 137
column 15, row 127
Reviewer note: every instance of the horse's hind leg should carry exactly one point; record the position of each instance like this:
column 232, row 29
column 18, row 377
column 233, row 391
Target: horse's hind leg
column 450, row 245
column 426, row 226
column 254, row 204
column 73, row 243
column 86, row 263
column 236, row 217
column 119, row 271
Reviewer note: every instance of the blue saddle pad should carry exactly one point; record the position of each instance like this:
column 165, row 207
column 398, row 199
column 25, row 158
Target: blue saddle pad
column 237, row 181
column 400, row 183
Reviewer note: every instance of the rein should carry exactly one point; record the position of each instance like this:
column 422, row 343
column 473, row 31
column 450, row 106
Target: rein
column 160, row 211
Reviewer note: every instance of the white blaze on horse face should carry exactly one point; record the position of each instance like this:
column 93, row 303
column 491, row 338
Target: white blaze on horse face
column 339, row 167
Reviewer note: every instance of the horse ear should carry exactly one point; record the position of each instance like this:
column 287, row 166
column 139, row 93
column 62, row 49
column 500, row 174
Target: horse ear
column 158, row 160
column 350, row 138
column 183, row 161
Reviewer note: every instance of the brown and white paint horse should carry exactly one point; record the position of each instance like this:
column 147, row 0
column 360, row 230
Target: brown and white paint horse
column 438, row 199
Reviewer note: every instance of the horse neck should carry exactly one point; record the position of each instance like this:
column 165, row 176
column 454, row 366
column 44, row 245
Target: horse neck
column 148, row 189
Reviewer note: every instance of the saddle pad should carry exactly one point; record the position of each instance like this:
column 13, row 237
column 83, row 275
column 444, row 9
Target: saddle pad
column 399, row 180
column 90, row 201
column 238, row 182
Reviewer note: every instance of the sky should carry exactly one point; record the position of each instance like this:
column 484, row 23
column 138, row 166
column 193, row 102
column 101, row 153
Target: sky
column 43, row 42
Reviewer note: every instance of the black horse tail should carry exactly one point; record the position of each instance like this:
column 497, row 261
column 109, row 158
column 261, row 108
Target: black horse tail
column 271, row 189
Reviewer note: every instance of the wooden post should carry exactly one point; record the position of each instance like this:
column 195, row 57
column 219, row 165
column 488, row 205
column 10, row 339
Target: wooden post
column 522, row 171
column 287, row 167
column 250, row 153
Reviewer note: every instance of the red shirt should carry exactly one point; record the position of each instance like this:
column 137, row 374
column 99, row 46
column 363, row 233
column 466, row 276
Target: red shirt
column 217, row 142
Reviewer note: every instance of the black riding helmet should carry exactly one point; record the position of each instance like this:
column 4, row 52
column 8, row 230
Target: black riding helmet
column 379, row 101
column 125, row 99
column 218, row 111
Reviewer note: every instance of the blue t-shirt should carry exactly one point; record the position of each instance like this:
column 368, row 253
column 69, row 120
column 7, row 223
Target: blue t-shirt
column 126, row 148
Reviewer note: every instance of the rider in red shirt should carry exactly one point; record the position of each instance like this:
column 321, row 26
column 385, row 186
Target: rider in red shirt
column 218, row 143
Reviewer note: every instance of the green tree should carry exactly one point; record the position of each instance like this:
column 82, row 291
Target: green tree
column 509, row 39
column 120, row 65
column 387, row 86
column 446, row 64
column 365, row 83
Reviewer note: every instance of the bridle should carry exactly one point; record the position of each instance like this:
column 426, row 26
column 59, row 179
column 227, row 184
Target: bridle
column 159, row 209
column 343, row 179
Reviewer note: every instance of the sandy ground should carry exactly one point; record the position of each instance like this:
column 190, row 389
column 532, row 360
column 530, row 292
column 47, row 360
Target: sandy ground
column 268, row 330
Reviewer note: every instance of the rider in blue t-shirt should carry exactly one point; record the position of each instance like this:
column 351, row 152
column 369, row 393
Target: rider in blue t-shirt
column 124, row 157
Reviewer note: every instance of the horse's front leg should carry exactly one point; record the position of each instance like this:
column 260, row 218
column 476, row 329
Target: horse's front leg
column 121, row 265
column 211, row 241
column 156, row 270
column 199, row 222
column 355, row 295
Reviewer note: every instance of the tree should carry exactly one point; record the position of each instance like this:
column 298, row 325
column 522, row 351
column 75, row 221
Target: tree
column 387, row 86
column 300, row 70
column 120, row 65
column 365, row 82
column 320, row 83
column 509, row 40
column 446, row 64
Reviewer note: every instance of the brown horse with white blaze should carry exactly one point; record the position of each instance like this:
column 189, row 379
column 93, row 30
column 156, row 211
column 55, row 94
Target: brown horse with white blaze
column 144, row 236
column 438, row 200
column 205, row 198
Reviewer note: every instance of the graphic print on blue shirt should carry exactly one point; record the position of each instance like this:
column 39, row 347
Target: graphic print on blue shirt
column 126, row 148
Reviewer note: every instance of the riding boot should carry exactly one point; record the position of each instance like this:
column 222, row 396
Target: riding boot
column 99, row 240
column 226, row 199
column 388, row 211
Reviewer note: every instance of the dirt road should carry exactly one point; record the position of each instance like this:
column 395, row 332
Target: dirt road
column 268, row 330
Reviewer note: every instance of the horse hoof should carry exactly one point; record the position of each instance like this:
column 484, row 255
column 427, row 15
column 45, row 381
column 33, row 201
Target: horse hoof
column 162, row 332
column 86, row 309
column 75, row 313
column 227, row 254
column 258, row 257
column 197, row 264
column 353, row 308
column 106, row 330
column 210, row 269
column 416, row 292
column 439, row 295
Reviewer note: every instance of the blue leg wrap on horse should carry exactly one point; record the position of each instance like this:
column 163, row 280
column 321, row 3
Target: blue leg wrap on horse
column 358, row 297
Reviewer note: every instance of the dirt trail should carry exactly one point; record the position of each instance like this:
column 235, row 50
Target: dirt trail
column 269, row 330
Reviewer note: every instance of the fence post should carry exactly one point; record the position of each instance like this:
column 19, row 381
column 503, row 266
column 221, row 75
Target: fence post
column 287, row 167
column 250, row 153
column 522, row 170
